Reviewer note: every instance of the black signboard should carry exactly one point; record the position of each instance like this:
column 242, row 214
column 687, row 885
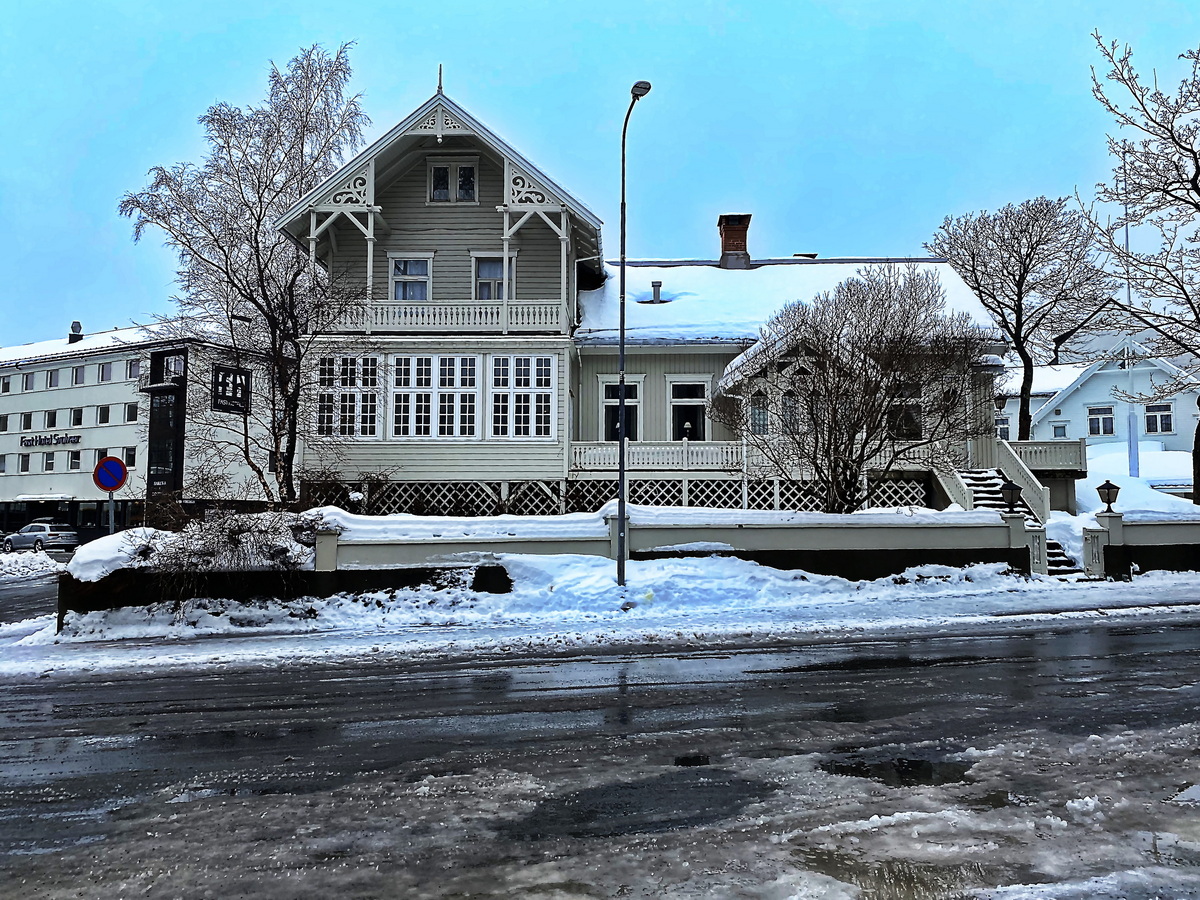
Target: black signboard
column 231, row 390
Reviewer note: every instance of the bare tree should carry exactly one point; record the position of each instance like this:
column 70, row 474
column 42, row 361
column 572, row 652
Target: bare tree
column 1156, row 181
column 242, row 283
column 1035, row 268
column 846, row 388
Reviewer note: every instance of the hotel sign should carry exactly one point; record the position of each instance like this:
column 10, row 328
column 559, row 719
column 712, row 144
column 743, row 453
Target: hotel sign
column 50, row 440
column 231, row 390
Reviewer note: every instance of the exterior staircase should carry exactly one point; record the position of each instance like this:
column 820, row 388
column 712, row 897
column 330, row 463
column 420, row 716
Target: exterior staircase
column 985, row 488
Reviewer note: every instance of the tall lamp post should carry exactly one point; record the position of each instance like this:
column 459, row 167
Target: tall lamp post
column 639, row 90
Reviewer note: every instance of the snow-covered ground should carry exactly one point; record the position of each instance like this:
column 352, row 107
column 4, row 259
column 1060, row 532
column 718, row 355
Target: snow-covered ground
column 27, row 564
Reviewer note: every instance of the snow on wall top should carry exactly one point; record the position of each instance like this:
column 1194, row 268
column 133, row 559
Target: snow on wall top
column 711, row 304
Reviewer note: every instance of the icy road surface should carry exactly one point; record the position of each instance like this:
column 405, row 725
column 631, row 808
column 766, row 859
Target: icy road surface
column 1025, row 766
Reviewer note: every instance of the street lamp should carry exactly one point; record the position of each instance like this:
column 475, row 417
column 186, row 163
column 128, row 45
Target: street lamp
column 639, row 90
column 1108, row 493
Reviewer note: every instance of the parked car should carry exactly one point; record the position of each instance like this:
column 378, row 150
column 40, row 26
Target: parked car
column 42, row 536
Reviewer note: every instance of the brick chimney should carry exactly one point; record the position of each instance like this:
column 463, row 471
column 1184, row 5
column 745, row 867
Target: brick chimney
column 733, row 230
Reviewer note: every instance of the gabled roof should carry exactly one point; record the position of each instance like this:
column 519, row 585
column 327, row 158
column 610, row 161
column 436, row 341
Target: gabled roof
column 393, row 153
column 1056, row 400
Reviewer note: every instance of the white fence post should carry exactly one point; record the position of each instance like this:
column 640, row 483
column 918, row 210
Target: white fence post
column 326, row 551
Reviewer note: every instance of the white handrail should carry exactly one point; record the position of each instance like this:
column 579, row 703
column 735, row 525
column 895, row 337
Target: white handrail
column 1033, row 492
column 956, row 489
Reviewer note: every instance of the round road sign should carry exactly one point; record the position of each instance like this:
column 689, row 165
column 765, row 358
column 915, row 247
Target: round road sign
column 110, row 474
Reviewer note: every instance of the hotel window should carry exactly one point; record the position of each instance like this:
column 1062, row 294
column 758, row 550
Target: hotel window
column 410, row 281
column 352, row 408
column 435, row 396
column 522, row 396
column 133, row 369
column 52, row 378
column 4, row 423
column 130, row 457
column 5, row 384
column 52, row 418
column 131, row 410
column 74, row 460
column 452, row 181
column 102, row 415
column 1160, row 419
column 27, row 421
column 101, row 453
column 27, row 381
column 104, row 372
column 77, row 417
column 78, row 375
column 1101, row 420
column 22, row 463
column 48, row 462
column 3, row 466
column 688, row 403
column 610, row 392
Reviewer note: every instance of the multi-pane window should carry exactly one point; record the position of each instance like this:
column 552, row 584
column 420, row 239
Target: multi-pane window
column 522, row 396
column 759, row 414
column 489, row 279
column 904, row 414
column 352, row 410
column 612, row 407
column 435, row 396
column 74, row 461
column 410, row 280
column 1101, row 420
column 452, row 181
column 687, row 410
column 1159, row 418
column 1003, row 429
column 52, row 378
column 48, row 462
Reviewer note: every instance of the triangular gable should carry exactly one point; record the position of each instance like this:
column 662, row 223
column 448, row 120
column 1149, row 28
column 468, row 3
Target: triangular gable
column 1057, row 400
column 353, row 184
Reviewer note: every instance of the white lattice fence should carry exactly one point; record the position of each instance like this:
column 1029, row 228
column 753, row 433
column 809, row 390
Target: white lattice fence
column 715, row 493
column 589, row 495
column 760, row 494
column 802, row 496
column 534, row 498
column 901, row 492
column 656, row 492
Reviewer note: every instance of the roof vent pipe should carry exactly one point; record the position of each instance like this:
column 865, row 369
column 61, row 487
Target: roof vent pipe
column 76, row 334
column 733, row 228
column 656, row 286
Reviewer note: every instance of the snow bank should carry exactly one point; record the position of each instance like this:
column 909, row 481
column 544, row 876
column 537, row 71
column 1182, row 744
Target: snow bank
column 16, row 566
column 123, row 550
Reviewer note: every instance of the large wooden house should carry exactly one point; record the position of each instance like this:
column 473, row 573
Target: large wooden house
column 483, row 362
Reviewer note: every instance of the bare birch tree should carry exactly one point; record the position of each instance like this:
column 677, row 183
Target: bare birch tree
column 1156, row 182
column 242, row 284
column 1036, row 269
column 858, row 382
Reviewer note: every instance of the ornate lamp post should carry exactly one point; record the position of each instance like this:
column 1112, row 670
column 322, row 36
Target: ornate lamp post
column 1010, row 493
column 639, row 90
column 1108, row 494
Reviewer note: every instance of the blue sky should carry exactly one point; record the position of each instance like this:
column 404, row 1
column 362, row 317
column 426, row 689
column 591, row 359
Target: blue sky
column 846, row 128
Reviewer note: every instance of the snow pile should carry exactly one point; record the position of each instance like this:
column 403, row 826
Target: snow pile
column 233, row 542
column 16, row 566
column 1156, row 466
column 1138, row 499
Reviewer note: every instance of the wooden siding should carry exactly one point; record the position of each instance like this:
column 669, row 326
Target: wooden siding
column 656, row 410
column 463, row 459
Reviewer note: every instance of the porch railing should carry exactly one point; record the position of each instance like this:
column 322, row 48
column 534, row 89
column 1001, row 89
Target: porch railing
column 497, row 316
column 1052, row 455
column 670, row 456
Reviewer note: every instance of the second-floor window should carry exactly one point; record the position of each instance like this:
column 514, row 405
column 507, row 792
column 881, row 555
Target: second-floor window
column 52, row 378
column 1101, row 420
column 104, row 371
column 452, row 181
column 410, row 280
column 1159, row 419
column 27, row 381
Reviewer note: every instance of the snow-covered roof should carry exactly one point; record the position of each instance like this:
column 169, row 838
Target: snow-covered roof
column 88, row 344
column 709, row 304
column 1047, row 380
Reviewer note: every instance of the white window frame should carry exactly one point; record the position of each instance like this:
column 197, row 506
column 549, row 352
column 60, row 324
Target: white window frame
column 453, row 162
column 104, row 372
column 477, row 255
column 105, row 417
column 437, row 384
column 74, row 460
column 27, row 421
column 48, row 461
column 1003, row 426
column 700, row 379
column 27, row 381
column 133, row 369
column 50, row 419
column 353, row 387
column 535, row 391
column 1064, row 425
column 131, row 407
column 52, row 378
column 78, row 375
column 1166, row 409
column 1099, row 419
column 393, row 255
column 637, row 380
column 23, row 463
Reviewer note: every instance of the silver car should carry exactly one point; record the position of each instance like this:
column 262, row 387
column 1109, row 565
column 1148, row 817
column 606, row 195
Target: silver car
column 42, row 535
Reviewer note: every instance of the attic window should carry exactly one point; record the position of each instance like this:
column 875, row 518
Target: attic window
column 453, row 181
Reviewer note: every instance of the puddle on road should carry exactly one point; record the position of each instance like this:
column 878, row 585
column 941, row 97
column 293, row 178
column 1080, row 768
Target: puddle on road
column 897, row 771
column 681, row 798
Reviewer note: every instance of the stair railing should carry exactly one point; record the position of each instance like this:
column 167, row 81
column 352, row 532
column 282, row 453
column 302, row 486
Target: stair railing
column 1033, row 492
column 956, row 489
